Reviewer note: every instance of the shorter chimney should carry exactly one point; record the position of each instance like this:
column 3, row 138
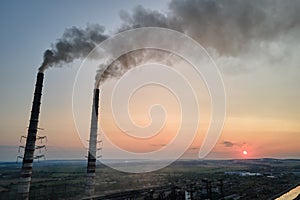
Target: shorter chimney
column 91, row 166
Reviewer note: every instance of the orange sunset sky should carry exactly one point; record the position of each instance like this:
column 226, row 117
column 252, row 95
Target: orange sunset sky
column 256, row 54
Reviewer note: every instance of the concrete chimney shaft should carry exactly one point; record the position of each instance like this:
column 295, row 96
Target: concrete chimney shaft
column 92, row 154
column 26, row 171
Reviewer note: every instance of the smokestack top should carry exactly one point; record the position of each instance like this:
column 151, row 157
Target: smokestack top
column 40, row 74
column 96, row 91
column 39, row 83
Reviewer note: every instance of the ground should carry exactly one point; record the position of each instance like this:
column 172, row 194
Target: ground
column 65, row 179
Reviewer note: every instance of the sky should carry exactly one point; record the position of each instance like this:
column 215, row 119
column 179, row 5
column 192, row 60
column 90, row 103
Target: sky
column 254, row 44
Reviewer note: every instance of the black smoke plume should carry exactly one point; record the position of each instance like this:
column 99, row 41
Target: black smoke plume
column 228, row 27
column 116, row 68
column 75, row 43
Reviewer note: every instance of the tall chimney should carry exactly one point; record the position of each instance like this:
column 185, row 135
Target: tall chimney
column 26, row 171
column 91, row 166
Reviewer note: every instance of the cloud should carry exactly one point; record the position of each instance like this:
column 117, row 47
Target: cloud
column 227, row 143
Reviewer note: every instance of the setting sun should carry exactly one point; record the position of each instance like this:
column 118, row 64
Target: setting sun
column 245, row 152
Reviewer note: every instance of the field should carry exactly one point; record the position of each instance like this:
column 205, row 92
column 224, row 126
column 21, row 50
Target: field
column 240, row 179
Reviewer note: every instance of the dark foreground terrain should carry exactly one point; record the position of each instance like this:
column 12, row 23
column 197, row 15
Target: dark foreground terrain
column 231, row 179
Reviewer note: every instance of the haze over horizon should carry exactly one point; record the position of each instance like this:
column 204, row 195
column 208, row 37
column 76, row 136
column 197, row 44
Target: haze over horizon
column 255, row 45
